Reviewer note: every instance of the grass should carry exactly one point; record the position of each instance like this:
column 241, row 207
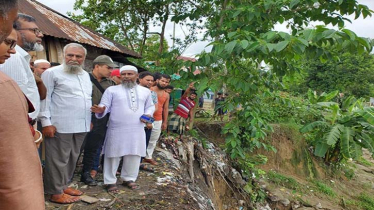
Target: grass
column 366, row 201
column 364, row 162
column 325, row 189
column 282, row 180
column 363, row 201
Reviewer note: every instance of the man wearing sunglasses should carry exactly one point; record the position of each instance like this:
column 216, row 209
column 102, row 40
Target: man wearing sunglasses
column 17, row 67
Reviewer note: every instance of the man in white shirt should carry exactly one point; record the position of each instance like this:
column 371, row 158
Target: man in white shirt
column 17, row 66
column 66, row 117
column 40, row 65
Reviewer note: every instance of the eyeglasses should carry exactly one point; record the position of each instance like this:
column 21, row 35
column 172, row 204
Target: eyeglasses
column 11, row 43
column 35, row 30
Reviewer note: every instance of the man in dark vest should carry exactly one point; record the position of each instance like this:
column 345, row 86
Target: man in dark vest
column 100, row 77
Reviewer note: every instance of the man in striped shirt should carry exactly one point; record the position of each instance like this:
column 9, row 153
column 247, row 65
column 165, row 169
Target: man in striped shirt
column 178, row 120
column 29, row 38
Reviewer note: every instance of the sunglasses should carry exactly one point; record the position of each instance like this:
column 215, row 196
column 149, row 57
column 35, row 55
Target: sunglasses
column 11, row 43
column 35, row 30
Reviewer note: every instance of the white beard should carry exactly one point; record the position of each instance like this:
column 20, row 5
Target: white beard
column 72, row 69
column 38, row 47
column 129, row 84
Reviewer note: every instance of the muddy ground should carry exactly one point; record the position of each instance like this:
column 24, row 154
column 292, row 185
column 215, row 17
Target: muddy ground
column 164, row 189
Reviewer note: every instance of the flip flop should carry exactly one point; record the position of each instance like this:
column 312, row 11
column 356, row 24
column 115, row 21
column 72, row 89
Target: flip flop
column 65, row 199
column 131, row 185
column 145, row 167
column 112, row 188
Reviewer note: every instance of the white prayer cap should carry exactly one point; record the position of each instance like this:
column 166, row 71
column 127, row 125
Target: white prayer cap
column 41, row 61
column 128, row 67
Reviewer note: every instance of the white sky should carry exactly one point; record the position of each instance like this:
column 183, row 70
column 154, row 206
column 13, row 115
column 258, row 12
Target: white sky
column 362, row 27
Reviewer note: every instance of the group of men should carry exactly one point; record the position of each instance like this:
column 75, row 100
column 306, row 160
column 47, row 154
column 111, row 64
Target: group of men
column 111, row 111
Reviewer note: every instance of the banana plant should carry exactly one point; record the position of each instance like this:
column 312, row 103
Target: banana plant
column 345, row 129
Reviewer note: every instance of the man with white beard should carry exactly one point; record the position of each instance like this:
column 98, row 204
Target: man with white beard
column 65, row 116
column 125, row 136
column 17, row 67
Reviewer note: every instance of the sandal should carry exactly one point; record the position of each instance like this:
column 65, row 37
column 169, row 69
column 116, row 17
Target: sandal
column 151, row 161
column 64, row 199
column 93, row 173
column 73, row 192
column 145, row 167
column 112, row 188
column 131, row 185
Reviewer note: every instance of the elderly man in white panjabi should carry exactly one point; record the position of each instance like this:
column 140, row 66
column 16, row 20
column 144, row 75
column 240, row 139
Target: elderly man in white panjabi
column 125, row 135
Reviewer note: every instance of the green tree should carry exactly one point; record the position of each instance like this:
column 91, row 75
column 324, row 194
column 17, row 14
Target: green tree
column 243, row 36
column 129, row 21
column 353, row 75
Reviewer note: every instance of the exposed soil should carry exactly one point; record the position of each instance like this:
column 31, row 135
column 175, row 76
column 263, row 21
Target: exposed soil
column 295, row 160
column 213, row 185
column 171, row 186
column 169, row 193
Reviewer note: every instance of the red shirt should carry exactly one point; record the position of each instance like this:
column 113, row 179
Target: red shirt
column 184, row 107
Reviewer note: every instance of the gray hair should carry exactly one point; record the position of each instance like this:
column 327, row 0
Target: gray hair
column 6, row 6
column 75, row 45
column 24, row 17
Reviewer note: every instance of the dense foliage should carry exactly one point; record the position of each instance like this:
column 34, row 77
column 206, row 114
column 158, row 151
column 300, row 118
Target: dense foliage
column 352, row 74
column 345, row 129
column 242, row 37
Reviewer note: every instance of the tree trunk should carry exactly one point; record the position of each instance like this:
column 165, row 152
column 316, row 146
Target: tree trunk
column 162, row 35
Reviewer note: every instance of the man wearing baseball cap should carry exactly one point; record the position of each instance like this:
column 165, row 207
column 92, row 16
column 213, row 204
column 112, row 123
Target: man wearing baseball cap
column 100, row 77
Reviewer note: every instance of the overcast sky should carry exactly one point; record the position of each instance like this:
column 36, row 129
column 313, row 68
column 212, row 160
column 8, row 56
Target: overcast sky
column 362, row 27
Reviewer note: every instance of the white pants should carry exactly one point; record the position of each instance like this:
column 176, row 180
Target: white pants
column 129, row 172
column 156, row 132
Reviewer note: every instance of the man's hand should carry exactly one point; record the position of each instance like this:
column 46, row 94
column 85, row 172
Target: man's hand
column 96, row 109
column 149, row 125
column 37, row 79
column 144, row 121
column 191, row 85
column 49, row 131
column 187, row 128
column 164, row 126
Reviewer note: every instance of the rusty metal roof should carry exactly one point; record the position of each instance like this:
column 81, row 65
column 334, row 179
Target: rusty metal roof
column 57, row 25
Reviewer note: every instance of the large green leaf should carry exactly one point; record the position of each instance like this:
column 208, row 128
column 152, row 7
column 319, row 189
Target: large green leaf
column 321, row 149
column 350, row 33
column 368, row 116
column 229, row 47
column 367, row 142
column 329, row 96
column 311, row 126
column 346, row 138
column 327, row 104
column 334, row 134
column 281, row 45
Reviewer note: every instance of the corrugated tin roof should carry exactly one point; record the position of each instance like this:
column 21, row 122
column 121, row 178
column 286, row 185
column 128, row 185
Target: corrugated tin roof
column 57, row 25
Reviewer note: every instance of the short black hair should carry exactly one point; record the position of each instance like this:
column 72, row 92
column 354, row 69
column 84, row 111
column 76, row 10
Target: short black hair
column 166, row 76
column 144, row 74
column 157, row 75
column 6, row 6
column 219, row 93
column 169, row 87
column 55, row 64
column 21, row 16
column 194, row 93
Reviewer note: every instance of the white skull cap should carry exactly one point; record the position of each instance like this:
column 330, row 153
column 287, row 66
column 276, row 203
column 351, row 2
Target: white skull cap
column 41, row 61
column 128, row 67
